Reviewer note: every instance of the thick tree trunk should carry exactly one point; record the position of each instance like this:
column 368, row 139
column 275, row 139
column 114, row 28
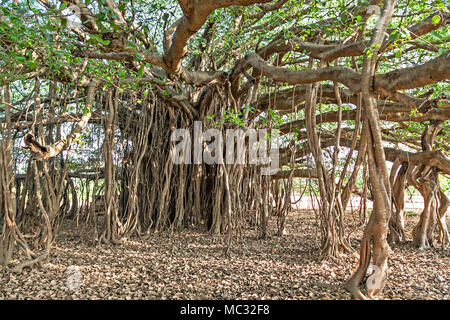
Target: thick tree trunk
column 110, row 233
column 378, row 226
column 426, row 179
column 423, row 232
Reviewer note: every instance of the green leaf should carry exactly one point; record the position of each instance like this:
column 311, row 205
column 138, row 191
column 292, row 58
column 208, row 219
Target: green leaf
column 436, row 19
column 32, row 65
column 393, row 36
column 141, row 70
column 436, row 35
column 138, row 57
column 406, row 33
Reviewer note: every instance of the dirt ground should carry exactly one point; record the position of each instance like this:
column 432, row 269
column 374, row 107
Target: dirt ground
column 191, row 265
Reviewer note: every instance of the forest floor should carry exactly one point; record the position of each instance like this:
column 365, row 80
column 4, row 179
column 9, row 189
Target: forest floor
column 192, row 265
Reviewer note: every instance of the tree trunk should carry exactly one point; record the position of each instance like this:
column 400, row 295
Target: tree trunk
column 378, row 226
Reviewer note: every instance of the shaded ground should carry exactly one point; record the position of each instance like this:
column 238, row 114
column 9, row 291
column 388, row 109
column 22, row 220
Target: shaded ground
column 191, row 265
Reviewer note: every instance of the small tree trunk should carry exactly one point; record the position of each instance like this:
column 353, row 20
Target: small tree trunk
column 444, row 204
column 397, row 223
column 423, row 231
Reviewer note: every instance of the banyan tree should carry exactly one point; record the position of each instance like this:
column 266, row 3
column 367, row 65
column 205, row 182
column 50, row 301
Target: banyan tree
column 352, row 96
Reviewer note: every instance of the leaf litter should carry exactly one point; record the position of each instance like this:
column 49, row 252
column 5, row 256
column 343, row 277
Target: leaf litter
column 191, row 265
